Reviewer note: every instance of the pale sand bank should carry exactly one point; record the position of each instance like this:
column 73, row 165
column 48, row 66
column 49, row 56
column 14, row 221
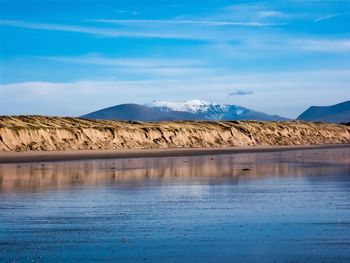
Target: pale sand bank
column 40, row 133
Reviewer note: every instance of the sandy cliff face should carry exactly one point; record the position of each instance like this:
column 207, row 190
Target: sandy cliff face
column 31, row 133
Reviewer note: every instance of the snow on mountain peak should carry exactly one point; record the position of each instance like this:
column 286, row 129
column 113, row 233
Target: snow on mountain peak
column 193, row 106
column 205, row 110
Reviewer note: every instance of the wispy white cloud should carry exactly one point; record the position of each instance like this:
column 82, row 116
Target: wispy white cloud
column 145, row 28
column 271, row 14
column 55, row 27
column 250, row 46
column 254, row 11
column 322, row 18
column 322, row 45
column 326, row 17
column 96, row 59
column 189, row 22
column 247, row 40
column 98, row 31
column 144, row 67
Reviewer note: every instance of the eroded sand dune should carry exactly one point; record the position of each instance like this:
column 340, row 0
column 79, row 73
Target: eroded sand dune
column 33, row 133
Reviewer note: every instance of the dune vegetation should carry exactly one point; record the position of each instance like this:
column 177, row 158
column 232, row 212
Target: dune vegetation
column 40, row 133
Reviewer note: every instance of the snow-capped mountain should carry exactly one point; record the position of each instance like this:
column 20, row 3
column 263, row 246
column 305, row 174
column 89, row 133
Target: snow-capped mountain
column 205, row 110
column 188, row 110
column 208, row 109
column 193, row 106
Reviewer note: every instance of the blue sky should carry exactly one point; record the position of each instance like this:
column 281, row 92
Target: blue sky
column 61, row 57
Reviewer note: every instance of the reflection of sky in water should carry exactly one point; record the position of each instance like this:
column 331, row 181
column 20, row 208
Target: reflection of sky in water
column 287, row 206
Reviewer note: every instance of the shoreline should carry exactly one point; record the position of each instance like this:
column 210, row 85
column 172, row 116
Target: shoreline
column 78, row 155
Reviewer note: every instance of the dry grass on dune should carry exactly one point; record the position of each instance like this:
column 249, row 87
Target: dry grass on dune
column 31, row 133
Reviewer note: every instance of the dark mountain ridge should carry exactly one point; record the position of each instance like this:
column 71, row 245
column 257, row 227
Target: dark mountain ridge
column 335, row 113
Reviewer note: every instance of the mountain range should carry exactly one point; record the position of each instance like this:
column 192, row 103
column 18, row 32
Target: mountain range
column 335, row 113
column 188, row 110
column 204, row 110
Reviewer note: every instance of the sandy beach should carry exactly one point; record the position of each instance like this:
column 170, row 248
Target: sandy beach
column 273, row 204
column 51, row 156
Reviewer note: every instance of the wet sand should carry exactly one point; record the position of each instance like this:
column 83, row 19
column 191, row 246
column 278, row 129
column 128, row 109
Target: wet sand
column 279, row 206
column 47, row 156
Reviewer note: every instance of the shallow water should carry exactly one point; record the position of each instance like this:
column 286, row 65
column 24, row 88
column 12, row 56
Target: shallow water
column 257, row 207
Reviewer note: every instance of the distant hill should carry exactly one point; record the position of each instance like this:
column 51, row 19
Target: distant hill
column 188, row 110
column 336, row 113
column 137, row 112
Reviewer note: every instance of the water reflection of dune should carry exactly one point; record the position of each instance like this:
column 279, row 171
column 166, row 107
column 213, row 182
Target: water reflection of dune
column 208, row 169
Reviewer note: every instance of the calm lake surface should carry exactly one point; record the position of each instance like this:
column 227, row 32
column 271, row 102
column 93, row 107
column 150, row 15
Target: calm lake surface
column 291, row 206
